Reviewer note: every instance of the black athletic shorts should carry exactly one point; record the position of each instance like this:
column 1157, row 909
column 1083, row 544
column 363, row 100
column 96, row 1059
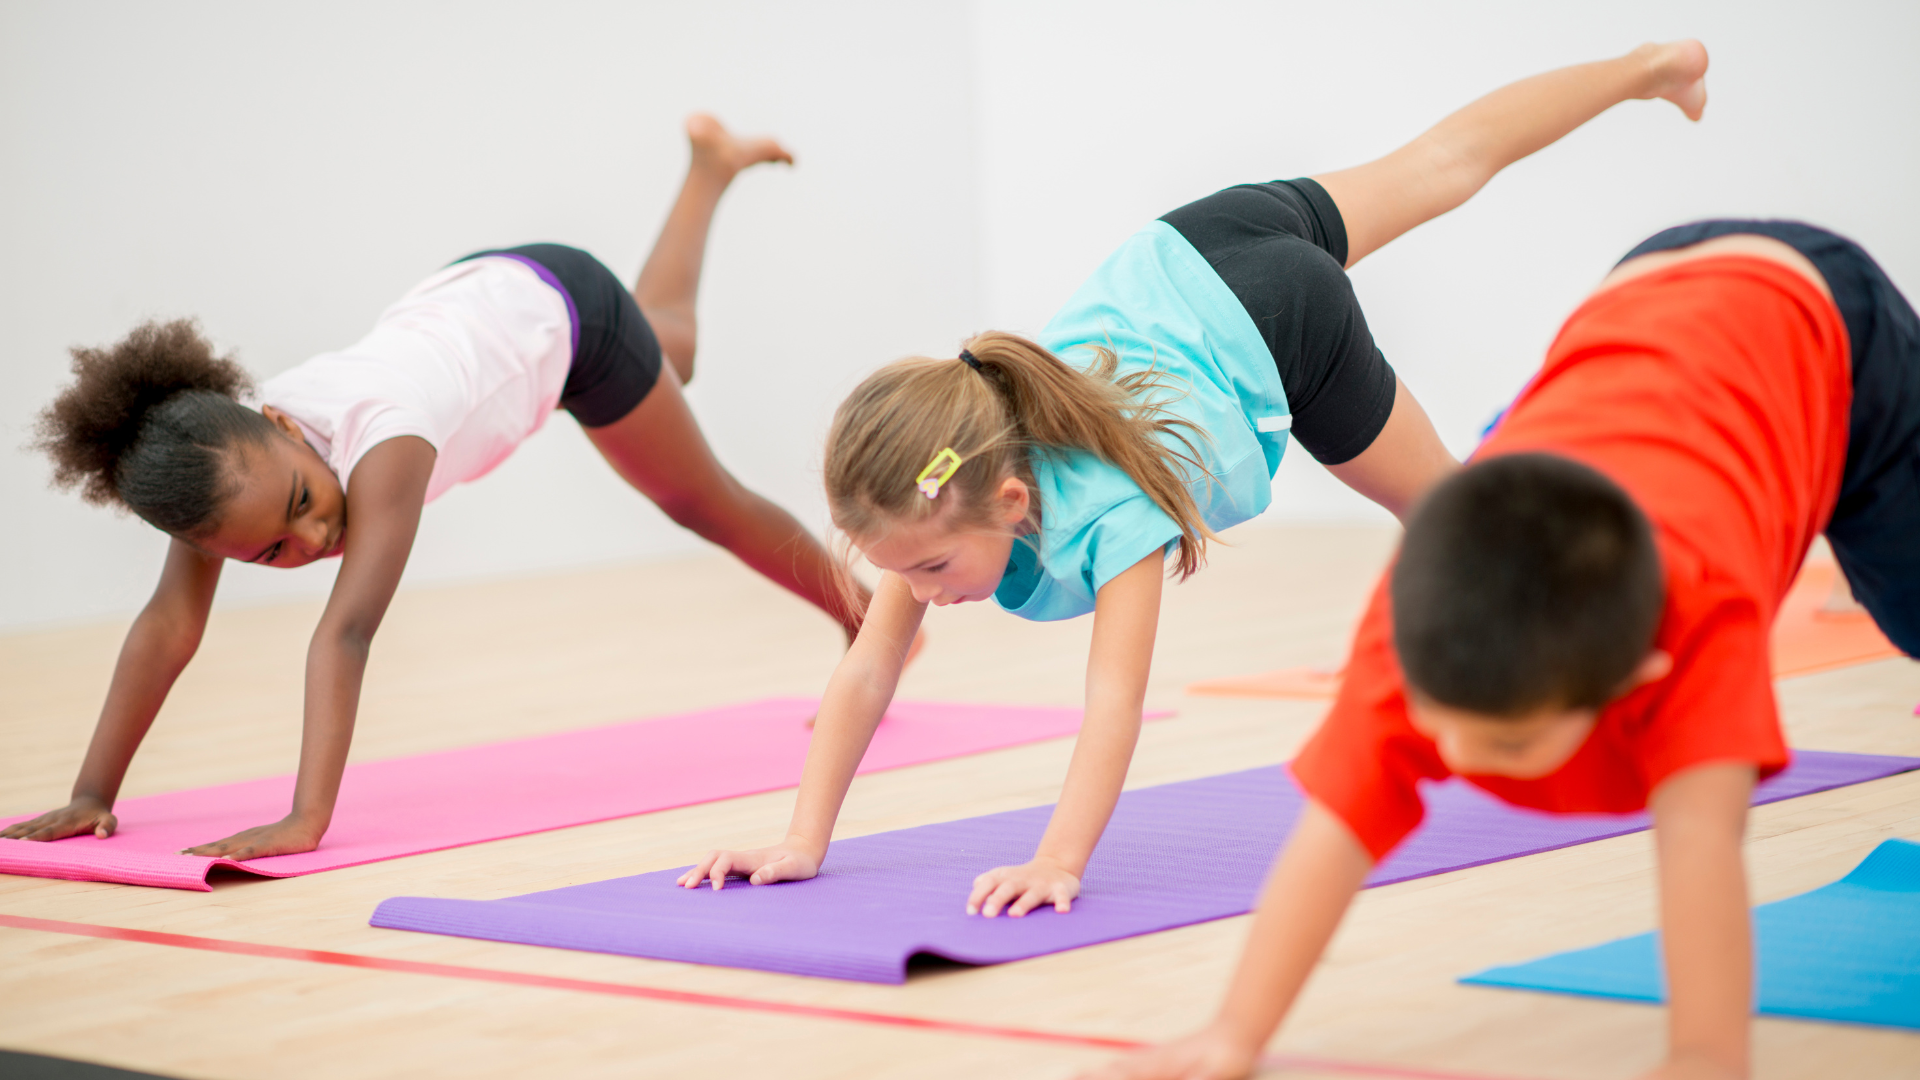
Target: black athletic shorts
column 1875, row 529
column 616, row 357
column 1282, row 249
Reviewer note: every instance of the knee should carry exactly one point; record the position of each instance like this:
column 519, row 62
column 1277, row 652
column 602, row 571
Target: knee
column 1455, row 170
column 708, row 514
column 677, row 336
column 691, row 512
column 679, row 350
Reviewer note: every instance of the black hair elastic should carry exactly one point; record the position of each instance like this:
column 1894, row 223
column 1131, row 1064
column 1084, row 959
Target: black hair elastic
column 971, row 360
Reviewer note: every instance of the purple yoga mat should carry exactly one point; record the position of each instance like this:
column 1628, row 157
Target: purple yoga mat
column 1173, row 855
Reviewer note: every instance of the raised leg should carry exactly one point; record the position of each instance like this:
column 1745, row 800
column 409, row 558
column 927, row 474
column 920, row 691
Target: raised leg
column 669, row 283
column 1406, row 458
column 1456, row 157
column 659, row 449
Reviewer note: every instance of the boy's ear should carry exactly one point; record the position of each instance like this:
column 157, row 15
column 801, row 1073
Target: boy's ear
column 1656, row 665
column 283, row 422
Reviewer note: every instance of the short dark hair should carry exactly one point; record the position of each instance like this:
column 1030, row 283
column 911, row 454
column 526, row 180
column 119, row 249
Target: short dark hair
column 1525, row 582
column 149, row 423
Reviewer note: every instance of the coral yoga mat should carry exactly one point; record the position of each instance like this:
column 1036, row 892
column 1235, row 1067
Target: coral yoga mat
column 409, row 805
column 1805, row 640
column 1848, row 951
column 1173, row 855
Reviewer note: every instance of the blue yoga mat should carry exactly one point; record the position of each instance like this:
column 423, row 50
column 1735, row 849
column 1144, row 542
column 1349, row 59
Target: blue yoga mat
column 1848, row 951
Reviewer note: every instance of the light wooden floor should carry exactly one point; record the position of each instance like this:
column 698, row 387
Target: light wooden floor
column 459, row 666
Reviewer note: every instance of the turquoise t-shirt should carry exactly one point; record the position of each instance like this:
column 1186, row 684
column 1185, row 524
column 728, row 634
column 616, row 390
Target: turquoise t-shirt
column 1157, row 304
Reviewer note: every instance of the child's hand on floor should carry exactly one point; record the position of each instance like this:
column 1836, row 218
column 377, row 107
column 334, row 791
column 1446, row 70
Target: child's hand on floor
column 283, row 837
column 1041, row 881
column 762, row 866
column 1213, row 1053
column 79, row 816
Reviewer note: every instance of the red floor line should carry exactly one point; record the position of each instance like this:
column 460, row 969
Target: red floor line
column 682, row 997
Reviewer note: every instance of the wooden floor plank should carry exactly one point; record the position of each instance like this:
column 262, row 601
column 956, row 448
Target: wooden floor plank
column 460, row 666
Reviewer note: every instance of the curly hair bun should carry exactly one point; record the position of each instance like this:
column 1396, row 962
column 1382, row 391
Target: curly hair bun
column 91, row 426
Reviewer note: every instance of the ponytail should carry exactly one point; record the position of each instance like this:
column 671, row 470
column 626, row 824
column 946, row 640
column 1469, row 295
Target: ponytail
column 1013, row 398
column 147, row 424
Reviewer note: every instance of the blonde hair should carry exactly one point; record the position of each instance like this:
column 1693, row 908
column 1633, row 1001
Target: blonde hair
column 1022, row 398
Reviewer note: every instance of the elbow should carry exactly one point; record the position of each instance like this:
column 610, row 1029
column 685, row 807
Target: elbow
column 356, row 642
column 168, row 640
column 350, row 638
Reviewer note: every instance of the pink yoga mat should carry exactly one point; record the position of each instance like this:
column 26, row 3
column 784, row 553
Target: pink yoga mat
column 410, row 805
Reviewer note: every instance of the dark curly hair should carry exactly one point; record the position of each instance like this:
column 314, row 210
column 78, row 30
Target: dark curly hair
column 148, row 424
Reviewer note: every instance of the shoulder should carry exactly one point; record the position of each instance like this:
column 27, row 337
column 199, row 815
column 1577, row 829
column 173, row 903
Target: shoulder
column 1718, row 702
column 1095, row 523
column 1090, row 508
column 1076, row 486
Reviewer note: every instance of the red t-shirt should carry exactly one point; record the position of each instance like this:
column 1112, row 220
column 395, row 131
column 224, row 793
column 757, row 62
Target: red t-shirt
column 1715, row 392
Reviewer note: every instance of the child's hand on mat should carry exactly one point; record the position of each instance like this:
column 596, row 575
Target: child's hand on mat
column 1041, row 881
column 284, row 837
column 1213, row 1053
column 82, row 815
column 762, row 866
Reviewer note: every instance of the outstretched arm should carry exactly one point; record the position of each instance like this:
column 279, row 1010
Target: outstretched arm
column 163, row 639
column 1699, row 823
column 384, row 498
column 854, row 704
column 1317, row 875
column 1126, row 615
column 1456, row 157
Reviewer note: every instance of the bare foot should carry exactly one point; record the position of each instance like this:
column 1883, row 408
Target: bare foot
column 717, row 151
column 1679, row 71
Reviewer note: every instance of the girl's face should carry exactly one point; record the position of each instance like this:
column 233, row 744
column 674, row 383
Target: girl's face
column 289, row 510
column 946, row 565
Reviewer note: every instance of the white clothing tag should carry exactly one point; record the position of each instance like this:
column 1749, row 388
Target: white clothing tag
column 1274, row 423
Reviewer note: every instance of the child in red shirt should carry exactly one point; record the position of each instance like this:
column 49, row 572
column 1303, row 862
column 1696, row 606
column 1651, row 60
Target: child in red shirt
column 1578, row 620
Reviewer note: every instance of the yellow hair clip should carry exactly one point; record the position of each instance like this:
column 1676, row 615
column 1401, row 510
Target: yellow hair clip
column 928, row 483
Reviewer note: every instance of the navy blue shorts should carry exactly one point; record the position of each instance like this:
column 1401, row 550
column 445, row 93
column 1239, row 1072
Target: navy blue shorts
column 616, row 357
column 1875, row 530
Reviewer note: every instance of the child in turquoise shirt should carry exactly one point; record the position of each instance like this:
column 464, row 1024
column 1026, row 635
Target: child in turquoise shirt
column 1155, row 305
column 1058, row 476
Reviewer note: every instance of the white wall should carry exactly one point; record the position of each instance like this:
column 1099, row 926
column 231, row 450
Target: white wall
column 1097, row 118
column 284, row 172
